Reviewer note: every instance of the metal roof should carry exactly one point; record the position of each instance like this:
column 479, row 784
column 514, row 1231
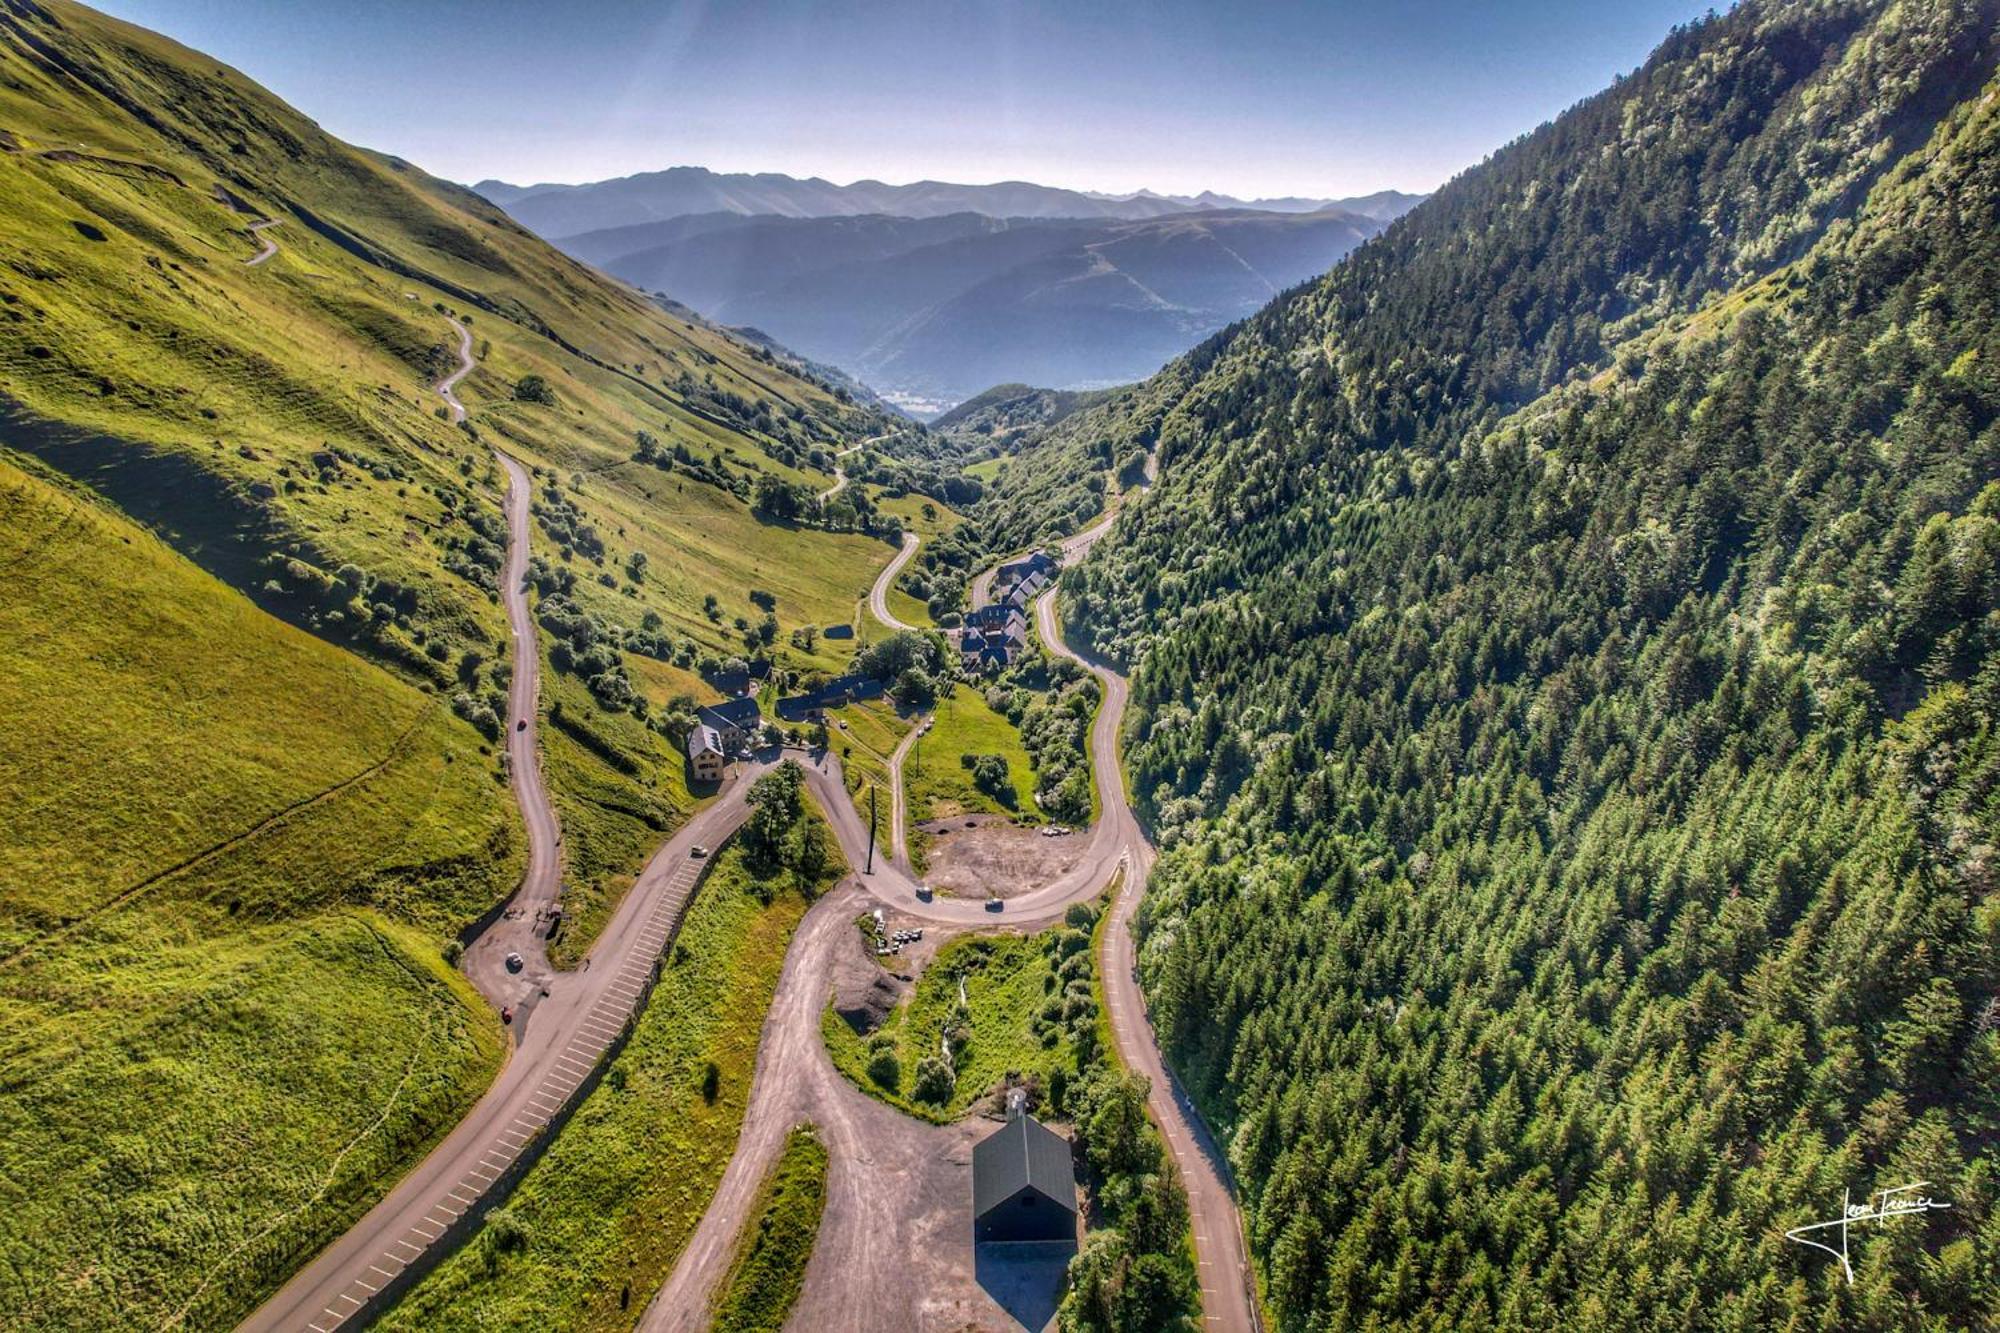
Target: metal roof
column 1021, row 1153
column 738, row 713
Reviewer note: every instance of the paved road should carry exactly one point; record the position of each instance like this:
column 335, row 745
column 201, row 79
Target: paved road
column 884, row 1179
column 447, row 388
column 840, row 473
column 257, row 229
column 878, row 596
column 523, row 927
column 1222, row 1258
column 559, row 1043
column 563, row 1023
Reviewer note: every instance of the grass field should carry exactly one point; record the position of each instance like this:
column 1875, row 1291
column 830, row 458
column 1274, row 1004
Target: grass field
column 939, row 786
column 1008, row 979
column 777, row 1241
column 233, row 856
column 872, row 733
column 608, row 1208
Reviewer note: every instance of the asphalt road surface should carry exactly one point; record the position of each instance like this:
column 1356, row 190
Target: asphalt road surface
column 562, row 1022
column 840, row 473
column 878, row 596
column 270, row 247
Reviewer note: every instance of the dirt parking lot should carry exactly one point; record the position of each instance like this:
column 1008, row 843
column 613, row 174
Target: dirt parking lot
column 996, row 857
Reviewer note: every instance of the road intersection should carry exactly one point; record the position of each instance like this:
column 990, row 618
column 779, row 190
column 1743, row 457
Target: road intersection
column 566, row 1024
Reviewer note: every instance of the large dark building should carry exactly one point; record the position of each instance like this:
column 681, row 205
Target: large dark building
column 1023, row 1187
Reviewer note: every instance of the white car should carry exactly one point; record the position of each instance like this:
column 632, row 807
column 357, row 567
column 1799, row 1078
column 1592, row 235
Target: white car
column 697, row 851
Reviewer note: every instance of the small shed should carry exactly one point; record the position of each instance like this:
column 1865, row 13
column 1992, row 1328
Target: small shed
column 1023, row 1186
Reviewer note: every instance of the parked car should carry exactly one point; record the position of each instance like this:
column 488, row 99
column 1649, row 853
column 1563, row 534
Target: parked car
column 506, row 1013
column 513, row 962
column 697, row 851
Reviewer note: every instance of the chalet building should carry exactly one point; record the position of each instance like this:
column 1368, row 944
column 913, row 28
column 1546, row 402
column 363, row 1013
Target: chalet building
column 992, row 637
column 735, row 721
column 707, row 760
column 1023, row 1184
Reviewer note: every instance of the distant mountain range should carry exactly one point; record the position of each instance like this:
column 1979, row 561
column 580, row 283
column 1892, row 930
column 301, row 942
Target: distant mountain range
column 558, row 211
column 933, row 310
column 1018, row 283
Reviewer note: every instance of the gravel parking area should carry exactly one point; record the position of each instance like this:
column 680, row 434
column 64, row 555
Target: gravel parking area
column 996, row 857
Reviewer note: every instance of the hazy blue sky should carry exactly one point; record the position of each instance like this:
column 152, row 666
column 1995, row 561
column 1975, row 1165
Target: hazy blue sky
column 1255, row 98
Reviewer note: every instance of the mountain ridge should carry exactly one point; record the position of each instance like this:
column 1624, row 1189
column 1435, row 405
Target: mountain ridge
column 558, row 211
column 940, row 308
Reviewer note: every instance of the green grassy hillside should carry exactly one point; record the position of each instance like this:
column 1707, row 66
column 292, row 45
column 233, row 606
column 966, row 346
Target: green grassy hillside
column 233, row 854
column 252, row 632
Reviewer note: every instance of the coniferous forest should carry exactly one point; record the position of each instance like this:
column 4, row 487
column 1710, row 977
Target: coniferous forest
column 1564, row 692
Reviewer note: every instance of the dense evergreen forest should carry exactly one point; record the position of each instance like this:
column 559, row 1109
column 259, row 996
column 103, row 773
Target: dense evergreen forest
column 1564, row 692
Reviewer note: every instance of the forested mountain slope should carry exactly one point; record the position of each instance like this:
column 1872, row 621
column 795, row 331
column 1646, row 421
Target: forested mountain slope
column 1565, row 685
column 235, row 849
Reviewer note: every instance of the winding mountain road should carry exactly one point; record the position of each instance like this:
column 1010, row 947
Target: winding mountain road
column 1228, row 1289
column 888, row 1234
column 563, row 1023
column 895, row 1184
column 270, row 247
column 878, row 596
column 840, row 473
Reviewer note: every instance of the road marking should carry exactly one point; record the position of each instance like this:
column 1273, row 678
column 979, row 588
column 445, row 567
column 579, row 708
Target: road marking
column 376, row 1268
column 344, row 1297
column 366, row 1285
column 415, row 1251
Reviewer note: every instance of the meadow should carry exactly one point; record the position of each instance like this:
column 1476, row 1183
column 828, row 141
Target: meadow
column 234, row 856
column 938, row 786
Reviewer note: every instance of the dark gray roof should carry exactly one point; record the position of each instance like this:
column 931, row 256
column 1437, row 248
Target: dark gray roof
column 1021, row 1153
column 739, row 713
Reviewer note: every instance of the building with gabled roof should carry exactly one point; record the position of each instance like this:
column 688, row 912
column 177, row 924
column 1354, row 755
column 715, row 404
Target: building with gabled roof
column 707, row 760
column 1023, row 1184
column 735, row 720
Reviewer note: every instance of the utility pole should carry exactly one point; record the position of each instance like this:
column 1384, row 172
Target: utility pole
column 871, row 830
